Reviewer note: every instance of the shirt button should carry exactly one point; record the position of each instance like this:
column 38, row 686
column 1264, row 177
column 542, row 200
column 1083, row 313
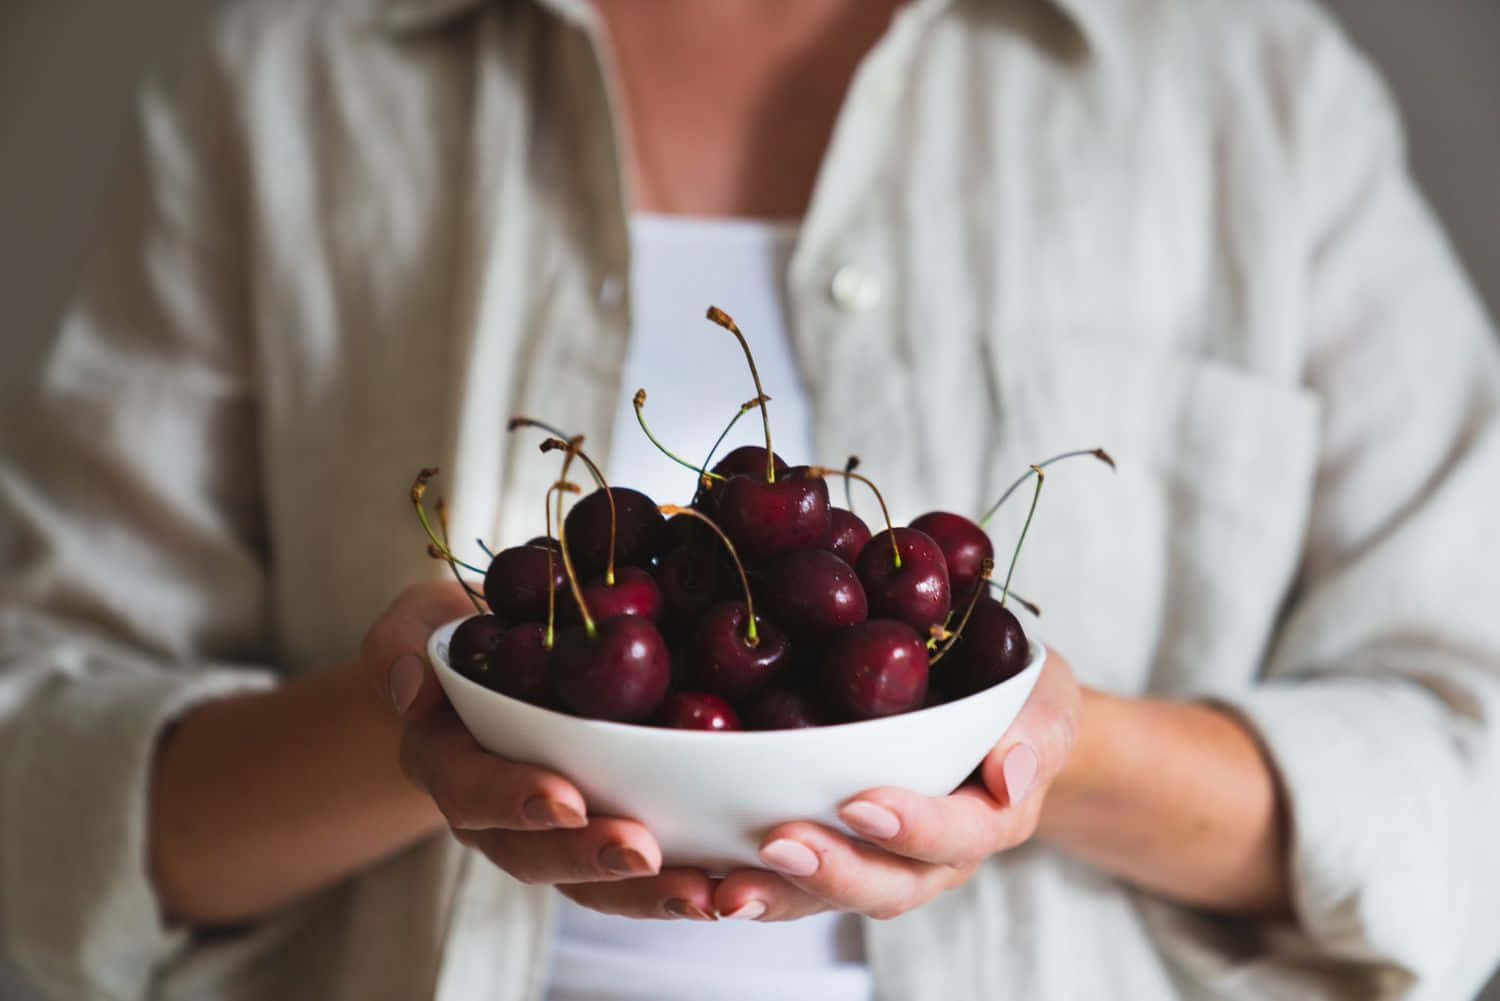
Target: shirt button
column 853, row 289
column 611, row 291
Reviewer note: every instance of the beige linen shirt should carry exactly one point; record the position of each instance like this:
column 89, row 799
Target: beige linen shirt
column 362, row 232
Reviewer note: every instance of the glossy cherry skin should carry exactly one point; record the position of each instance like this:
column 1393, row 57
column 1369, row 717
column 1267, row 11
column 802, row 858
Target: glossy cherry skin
column 877, row 668
column 811, row 591
column 765, row 519
column 634, row 593
column 748, row 460
column 544, row 542
column 619, row 674
column 992, row 648
column 516, row 583
column 689, row 578
column 964, row 544
column 787, row 709
column 472, row 643
column 639, row 531
column 847, row 535
column 697, row 711
column 521, row 666
column 915, row 593
column 722, row 660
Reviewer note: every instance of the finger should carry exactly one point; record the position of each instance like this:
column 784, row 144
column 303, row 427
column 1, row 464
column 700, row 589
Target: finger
column 955, row 830
column 1038, row 743
column 608, row 849
column 758, row 895
column 393, row 655
column 851, row 875
column 674, row 894
column 475, row 789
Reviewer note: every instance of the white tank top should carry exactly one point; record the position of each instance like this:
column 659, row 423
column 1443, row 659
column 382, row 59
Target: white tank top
column 696, row 378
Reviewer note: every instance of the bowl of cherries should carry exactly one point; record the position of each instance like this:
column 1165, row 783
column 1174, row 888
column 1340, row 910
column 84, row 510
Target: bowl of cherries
column 754, row 656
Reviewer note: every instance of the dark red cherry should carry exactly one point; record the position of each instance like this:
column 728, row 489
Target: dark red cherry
column 471, row 644
column 992, row 648
column 787, row 709
column 915, row 593
column 639, row 530
column 634, row 593
column 621, row 673
column 545, row 542
column 722, row 660
column 964, row 544
column 848, row 534
column 697, row 711
column 689, row 578
column 764, row 519
column 521, row 666
column 812, row 591
column 877, row 668
column 748, row 460
column 516, row 583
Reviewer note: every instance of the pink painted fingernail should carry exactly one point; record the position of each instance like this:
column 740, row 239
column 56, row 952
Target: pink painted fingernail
column 748, row 911
column 680, row 908
column 619, row 860
column 544, row 812
column 406, row 682
column 791, row 858
column 1020, row 772
column 870, row 819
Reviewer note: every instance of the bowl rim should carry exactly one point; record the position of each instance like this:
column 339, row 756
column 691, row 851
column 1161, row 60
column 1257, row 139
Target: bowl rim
column 1037, row 657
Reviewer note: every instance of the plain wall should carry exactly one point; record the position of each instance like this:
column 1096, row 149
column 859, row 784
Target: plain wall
column 69, row 69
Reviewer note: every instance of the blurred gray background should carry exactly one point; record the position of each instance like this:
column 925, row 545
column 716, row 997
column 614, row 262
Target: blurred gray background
column 69, row 70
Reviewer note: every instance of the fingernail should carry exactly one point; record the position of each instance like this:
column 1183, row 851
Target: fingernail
column 1020, row 771
column 622, row 861
column 748, row 911
column 870, row 819
column 790, row 857
column 406, row 681
column 679, row 908
column 544, row 812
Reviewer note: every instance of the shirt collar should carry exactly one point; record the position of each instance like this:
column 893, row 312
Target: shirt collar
column 415, row 16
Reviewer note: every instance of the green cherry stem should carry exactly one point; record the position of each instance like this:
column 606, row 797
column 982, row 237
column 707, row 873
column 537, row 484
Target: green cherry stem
column 553, row 444
column 558, row 488
column 1097, row 453
column 418, row 488
column 850, row 466
column 1005, row 590
column 890, row 529
column 442, row 513
column 1025, row 603
column 752, row 635
column 640, row 405
column 745, row 408
column 562, row 541
column 724, row 320
column 986, row 568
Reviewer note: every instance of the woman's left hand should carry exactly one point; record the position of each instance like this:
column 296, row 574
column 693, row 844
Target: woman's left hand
column 915, row 847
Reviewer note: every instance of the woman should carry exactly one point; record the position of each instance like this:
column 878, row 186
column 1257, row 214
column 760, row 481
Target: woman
column 365, row 233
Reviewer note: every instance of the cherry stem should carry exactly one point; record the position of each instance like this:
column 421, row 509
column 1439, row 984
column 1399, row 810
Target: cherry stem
column 1005, row 591
column 850, row 466
column 559, row 488
column 724, row 320
column 418, row 488
column 1097, row 453
column 485, row 548
column 518, row 422
column 752, row 637
column 562, row 541
column 745, row 408
column 986, row 568
column 890, row 529
column 1025, row 603
column 442, row 513
column 640, row 417
column 552, row 445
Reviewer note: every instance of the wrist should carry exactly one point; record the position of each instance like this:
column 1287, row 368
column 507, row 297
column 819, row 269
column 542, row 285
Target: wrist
column 1082, row 790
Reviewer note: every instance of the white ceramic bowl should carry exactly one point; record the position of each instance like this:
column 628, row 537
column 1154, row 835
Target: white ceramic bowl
column 710, row 797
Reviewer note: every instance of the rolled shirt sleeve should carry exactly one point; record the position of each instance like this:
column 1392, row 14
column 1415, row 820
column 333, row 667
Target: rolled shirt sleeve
column 1382, row 690
column 135, row 566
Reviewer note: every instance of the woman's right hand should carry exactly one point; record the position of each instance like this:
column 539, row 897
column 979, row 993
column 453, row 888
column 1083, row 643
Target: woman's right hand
column 531, row 822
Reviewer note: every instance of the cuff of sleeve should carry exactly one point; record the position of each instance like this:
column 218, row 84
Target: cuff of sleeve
column 79, row 911
column 1367, row 770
